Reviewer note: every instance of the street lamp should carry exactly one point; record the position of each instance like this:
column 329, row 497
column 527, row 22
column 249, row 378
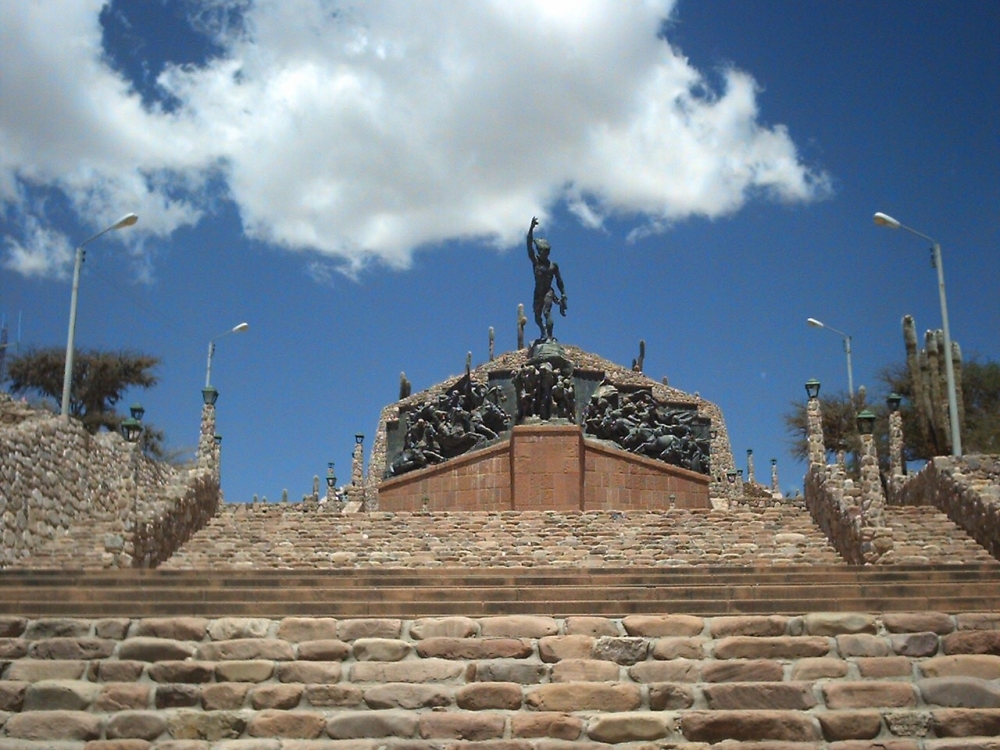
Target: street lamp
column 126, row 221
column 847, row 348
column 949, row 369
column 211, row 349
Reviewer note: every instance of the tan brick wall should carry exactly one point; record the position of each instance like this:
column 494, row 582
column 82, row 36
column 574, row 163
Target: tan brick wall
column 616, row 480
column 546, row 467
column 479, row 481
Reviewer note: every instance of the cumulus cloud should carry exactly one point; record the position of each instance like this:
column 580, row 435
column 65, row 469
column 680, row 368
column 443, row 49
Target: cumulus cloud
column 364, row 131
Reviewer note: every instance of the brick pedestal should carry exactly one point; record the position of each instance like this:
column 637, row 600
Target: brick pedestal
column 547, row 467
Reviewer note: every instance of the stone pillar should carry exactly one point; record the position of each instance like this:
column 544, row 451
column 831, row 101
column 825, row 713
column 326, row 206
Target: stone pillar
column 774, row 475
column 207, row 449
column 356, row 491
column 872, row 497
column 750, row 475
column 897, row 467
column 814, row 415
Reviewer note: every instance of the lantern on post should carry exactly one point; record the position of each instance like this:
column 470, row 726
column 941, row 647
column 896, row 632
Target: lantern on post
column 812, row 388
column 866, row 422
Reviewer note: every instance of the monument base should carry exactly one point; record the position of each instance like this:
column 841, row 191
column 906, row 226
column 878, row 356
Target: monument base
column 546, row 467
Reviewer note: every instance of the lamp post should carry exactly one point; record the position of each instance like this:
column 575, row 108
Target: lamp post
column 126, row 221
column 211, row 350
column 956, row 437
column 847, row 349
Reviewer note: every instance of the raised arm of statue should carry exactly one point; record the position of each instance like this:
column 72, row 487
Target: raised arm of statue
column 531, row 239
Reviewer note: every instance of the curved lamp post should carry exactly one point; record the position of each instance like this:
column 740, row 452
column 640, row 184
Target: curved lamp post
column 211, row 350
column 956, row 437
column 847, row 349
column 126, row 221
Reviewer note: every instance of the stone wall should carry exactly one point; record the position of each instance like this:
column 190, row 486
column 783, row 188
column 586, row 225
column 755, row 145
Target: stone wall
column 898, row 680
column 65, row 493
column 967, row 489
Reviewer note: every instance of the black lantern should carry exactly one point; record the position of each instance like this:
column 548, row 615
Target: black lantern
column 713, row 434
column 731, row 476
column 812, row 388
column 749, row 452
column 331, row 478
column 774, row 462
column 739, row 473
column 131, row 429
column 893, row 401
column 209, row 395
column 218, row 439
column 359, row 438
column 137, row 411
column 866, row 422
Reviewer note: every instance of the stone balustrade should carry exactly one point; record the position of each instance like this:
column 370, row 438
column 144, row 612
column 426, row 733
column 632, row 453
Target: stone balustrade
column 95, row 499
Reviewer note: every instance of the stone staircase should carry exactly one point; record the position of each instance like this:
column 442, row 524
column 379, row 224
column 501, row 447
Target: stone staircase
column 839, row 681
column 924, row 535
column 313, row 536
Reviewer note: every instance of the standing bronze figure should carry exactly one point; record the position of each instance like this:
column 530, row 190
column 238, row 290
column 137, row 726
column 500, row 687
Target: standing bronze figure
column 545, row 272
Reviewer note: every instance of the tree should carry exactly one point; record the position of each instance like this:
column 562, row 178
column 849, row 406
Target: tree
column 99, row 381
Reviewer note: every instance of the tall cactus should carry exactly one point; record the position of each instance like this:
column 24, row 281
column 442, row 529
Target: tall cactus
column 929, row 384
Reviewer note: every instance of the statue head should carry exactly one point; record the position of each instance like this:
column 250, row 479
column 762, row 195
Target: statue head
column 543, row 247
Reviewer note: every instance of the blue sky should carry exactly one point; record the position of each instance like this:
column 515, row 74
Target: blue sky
column 356, row 184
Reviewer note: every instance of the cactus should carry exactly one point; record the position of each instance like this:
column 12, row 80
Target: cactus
column 404, row 386
column 491, row 343
column 927, row 372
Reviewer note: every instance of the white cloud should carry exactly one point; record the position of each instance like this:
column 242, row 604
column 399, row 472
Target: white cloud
column 42, row 252
column 366, row 131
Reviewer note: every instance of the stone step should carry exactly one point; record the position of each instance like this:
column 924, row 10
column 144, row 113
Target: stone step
column 149, row 593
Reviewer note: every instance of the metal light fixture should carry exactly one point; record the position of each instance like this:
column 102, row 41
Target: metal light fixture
column 866, row 422
column 731, row 476
column 847, row 349
column 812, row 388
column 137, row 411
column 359, row 438
column 211, row 349
column 209, row 395
column 956, row 437
column 893, row 401
column 331, row 478
column 218, row 439
column 126, row 221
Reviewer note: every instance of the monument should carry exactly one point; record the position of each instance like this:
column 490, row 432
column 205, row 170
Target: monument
column 545, row 416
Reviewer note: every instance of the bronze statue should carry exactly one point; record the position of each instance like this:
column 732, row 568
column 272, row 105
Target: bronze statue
column 545, row 272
